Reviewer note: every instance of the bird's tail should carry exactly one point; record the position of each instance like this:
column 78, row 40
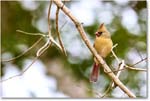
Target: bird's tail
column 95, row 73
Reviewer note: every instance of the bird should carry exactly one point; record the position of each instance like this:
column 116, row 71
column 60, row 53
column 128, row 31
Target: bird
column 103, row 45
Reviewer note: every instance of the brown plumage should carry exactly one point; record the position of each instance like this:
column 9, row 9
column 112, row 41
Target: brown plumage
column 103, row 45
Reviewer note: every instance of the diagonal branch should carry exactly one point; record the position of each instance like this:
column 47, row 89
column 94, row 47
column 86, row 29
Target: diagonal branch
column 93, row 51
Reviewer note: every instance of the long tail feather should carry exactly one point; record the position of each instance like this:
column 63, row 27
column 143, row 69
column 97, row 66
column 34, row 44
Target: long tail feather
column 95, row 73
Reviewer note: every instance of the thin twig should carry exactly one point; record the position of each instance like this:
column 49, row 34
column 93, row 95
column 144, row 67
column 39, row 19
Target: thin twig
column 63, row 25
column 43, row 48
column 139, row 53
column 139, row 62
column 24, row 69
column 137, row 69
column 30, row 33
column 107, row 90
column 131, row 68
column 49, row 23
column 58, row 33
column 121, row 66
column 24, row 51
column 112, row 84
column 21, row 72
column 93, row 51
column 126, row 66
column 114, row 53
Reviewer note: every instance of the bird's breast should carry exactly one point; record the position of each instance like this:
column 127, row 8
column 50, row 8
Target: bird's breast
column 103, row 46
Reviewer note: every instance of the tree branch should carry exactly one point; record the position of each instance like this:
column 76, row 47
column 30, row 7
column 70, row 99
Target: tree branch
column 114, row 53
column 23, row 52
column 93, row 51
column 121, row 66
column 139, row 62
column 58, row 33
column 49, row 29
column 20, row 74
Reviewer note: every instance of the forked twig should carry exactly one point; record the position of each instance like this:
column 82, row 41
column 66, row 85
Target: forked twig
column 43, row 48
column 112, row 84
column 121, row 66
column 133, row 68
column 127, row 66
column 49, row 28
column 38, row 54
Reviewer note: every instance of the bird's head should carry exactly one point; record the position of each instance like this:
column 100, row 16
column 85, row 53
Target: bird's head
column 102, row 31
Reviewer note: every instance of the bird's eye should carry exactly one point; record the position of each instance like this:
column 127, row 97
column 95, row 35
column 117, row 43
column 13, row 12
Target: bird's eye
column 100, row 33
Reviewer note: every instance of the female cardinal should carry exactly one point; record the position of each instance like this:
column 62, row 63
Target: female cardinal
column 103, row 45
